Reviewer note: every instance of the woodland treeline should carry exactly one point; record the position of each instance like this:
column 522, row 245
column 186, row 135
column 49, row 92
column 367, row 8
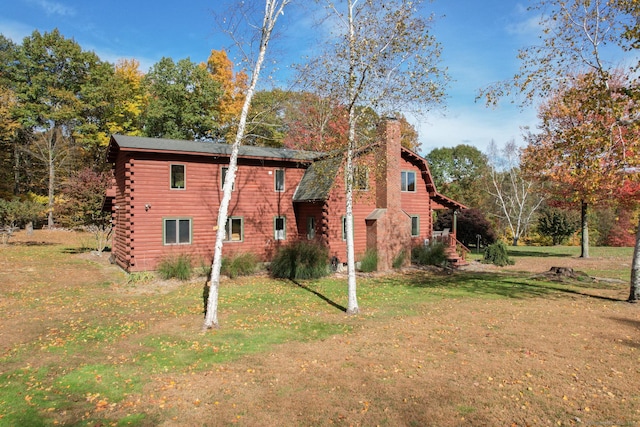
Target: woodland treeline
column 60, row 103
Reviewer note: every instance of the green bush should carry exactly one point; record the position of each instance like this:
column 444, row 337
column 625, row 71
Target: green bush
column 300, row 260
column 239, row 265
column 398, row 261
column 369, row 261
column 177, row 266
column 496, row 254
column 429, row 254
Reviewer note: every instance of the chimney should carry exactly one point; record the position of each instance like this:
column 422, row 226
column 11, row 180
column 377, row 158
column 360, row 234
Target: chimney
column 388, row 186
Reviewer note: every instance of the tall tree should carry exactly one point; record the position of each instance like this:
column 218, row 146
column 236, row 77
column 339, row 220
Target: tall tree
column 513, row 193
column 183, row 99
column 272, row 10
column 574, row 36
column 382, row 57
column 458, row 172
column 49, row 76
column 234, row 87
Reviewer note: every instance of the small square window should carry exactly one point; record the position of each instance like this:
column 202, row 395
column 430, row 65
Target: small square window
column 408, row 181
column 415, row 226
column 177, row 231
column 177, row 177
column 234, row 230
column 361, row 178
column 280, row 228
column 279, row 180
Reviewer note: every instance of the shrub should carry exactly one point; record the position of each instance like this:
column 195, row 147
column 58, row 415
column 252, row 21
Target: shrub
column 300, row 260
column 496, row 254
column 239, row 265
column 429, row 255
column 369, row 261
column 398, row 261
column 178, row 267
column 557, row 224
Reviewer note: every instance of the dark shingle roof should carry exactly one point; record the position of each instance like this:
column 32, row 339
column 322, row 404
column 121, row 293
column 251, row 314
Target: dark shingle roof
column 201, row 147
column 318, row 180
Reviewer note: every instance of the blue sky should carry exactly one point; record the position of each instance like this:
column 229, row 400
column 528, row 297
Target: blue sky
column 480, row 41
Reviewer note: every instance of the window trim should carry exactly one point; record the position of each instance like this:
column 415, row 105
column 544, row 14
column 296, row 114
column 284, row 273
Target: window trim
column 177, row 236
column 284, row 228
column 275, row 181
column 404, row 184
column 228, row 233
column 417, row 219
column 184, row 176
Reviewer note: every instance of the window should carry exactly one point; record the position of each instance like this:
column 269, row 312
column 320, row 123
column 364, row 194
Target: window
column 177, row 177
column 279, row 180
column 223, row 176
column 361, row 178
column 177, row 231
column 234, row 230
column 415, row 225
column 311, row 228
column 280, row 227
column 408, row 181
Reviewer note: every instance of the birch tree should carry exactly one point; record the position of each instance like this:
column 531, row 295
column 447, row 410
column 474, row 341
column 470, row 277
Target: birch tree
column 272, row 10
column 382, row 56
column 514, row 195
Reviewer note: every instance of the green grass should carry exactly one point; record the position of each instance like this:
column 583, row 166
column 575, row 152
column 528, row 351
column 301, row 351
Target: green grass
column 101, row 342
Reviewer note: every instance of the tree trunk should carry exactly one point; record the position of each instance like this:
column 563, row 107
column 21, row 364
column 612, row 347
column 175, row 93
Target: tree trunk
column 515, row 241
column 52, row 178
column 634, row 294
column 272, row 11
column 584, row 246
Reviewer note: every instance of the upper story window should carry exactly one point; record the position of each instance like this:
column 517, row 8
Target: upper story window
column 223, row 176
column 279, row 180
column 361, row 178
column 178, row 177
column 408, row 181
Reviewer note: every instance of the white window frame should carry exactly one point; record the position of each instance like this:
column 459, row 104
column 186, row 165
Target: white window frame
column 404, row 181
column 228, row 235
column 177, row 236
column 172, row 179
column 282, row 173
column 280, row 234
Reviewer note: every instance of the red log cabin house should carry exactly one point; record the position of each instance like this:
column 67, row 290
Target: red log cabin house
column 166, row 195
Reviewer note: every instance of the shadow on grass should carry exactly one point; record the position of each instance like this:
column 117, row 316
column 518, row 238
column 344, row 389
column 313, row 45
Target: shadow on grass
column 319, row 295
column 32, row 243
column 536, row 254
column 505, row 285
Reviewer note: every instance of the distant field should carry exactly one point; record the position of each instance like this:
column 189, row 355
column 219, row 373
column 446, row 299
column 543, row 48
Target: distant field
column 83, row 344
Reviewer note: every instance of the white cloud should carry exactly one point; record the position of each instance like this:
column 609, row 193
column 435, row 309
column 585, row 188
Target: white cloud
column 54, row 8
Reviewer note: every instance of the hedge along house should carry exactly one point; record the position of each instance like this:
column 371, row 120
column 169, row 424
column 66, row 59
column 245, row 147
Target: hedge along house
column 167, row 194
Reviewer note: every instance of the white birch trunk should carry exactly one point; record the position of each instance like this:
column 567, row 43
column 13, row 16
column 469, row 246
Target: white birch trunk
column 273, row 9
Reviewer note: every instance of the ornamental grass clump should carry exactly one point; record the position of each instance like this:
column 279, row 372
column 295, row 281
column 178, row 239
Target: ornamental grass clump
column 369, row 261
column 239, row 265
column 300, row 260
column 178, row 267
column 429, row 254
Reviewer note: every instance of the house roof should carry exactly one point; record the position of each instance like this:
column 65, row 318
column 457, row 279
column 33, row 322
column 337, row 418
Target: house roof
column 155, row 145
column 318, row 180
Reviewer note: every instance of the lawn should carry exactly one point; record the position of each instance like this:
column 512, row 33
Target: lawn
column 84, row 344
